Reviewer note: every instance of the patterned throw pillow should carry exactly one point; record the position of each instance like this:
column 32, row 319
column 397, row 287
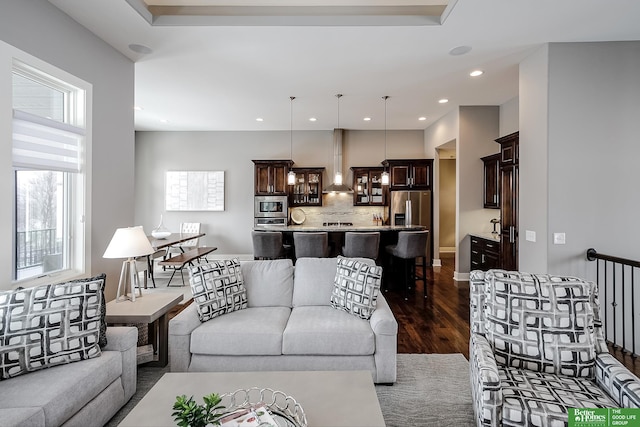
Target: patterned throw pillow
column 541, row 323
column 48, row 325
column 102, row 341
column 218, row 288
column 356, row 287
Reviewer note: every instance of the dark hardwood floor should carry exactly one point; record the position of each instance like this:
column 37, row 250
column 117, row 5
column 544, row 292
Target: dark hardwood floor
column 440, row 324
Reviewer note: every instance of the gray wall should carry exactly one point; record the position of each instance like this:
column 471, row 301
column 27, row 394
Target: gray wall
column 232, row 152
column 42, row 30
column 591, row 113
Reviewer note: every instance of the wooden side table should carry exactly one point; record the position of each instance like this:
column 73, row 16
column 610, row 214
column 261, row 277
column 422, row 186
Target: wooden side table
column 153, row 309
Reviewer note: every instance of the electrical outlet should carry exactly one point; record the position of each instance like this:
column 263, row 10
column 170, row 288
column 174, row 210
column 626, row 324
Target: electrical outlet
column 530, row 236
column 559, row 239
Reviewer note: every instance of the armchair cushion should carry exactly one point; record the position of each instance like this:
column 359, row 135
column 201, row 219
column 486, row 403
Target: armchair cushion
column 541, row 323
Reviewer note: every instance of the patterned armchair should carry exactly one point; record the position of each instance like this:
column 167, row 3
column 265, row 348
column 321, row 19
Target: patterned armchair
column 537, row 349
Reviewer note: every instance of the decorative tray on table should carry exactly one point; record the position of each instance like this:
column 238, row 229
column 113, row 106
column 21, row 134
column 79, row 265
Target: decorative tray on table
column 246, row 408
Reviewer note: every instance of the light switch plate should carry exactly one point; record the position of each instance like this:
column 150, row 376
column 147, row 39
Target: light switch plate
column 530, row 236
column 559, row 239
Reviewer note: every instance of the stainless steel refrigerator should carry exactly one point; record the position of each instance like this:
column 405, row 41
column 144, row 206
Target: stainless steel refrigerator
column 420, row 212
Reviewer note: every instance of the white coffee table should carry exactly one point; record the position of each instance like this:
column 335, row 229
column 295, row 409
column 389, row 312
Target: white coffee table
column 328, row 398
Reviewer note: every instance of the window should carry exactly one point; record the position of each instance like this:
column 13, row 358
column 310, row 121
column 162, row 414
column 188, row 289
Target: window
column 47, row 155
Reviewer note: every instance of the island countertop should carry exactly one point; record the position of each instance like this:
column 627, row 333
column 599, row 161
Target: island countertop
column 341, row 228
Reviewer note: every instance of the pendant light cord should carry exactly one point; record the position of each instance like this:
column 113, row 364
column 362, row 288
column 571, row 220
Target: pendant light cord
column 291, row 123
column 385, row 125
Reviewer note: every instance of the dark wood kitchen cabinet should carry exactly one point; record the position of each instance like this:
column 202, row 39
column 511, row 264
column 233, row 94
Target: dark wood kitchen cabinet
column 271, row 177
column 307, row 191
column 509, row 177
column 491, row 184
column 410, row 174
column 367, row 187
column 485, row 253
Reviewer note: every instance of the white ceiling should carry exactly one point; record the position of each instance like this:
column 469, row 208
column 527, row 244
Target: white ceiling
column 223, row 77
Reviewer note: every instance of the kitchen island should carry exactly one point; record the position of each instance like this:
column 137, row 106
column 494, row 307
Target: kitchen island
column 388, row 234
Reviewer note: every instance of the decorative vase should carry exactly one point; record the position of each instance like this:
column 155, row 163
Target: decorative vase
column 160, row 232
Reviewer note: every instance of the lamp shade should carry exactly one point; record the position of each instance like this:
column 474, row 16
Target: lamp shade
column 128, row 242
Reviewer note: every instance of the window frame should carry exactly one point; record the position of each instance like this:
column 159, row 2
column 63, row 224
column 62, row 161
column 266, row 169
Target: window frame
column 78, row 96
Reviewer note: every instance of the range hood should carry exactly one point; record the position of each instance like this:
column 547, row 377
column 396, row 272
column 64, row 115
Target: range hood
column 337, row 164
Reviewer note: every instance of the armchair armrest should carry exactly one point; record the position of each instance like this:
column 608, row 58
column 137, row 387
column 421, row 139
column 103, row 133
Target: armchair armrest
column 486, row 388
column 619, row 383
column 180, row 328
column 124, row 339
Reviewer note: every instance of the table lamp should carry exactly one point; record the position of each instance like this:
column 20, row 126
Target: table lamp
column 130, row 242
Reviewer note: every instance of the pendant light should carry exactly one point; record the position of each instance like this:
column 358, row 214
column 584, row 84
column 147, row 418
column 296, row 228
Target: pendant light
column 385, row 174
column 337, row 179
column 291, row 177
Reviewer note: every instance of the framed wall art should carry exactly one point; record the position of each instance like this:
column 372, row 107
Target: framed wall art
column 194, row 191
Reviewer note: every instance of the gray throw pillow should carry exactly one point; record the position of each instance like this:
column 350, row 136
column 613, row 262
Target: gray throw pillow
column 218, row 288
column 49, row 325
column 356, row 287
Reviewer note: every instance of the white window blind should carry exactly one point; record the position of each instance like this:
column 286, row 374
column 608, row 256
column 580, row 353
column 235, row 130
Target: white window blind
column 43, row 143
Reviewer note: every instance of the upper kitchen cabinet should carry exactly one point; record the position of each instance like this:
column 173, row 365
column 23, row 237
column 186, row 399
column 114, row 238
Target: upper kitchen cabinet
column 307, row 191
column 412, row 174
column 271, row 177
column 491, row 190
column 367, row 187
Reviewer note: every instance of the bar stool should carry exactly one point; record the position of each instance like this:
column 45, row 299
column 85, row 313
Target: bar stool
column 311, row 245
column 362, row 245
column 267, row 244
column 411, row 245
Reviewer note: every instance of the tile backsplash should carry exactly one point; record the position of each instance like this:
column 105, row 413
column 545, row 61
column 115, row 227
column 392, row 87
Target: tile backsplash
column 339, row 208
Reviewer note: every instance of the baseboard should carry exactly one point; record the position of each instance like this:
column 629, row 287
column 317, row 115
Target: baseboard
column 437, row 262
column 460, row 277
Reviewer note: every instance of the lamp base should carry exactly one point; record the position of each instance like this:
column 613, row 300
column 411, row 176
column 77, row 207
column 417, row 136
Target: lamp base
column 128, row 279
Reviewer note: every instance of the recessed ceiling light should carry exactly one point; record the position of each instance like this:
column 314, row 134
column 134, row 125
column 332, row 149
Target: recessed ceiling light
column 443, row 101
column 259, row 119
column 138, row 108
column 164, row 121
column 312, row 119
column 460, row 50
column 422, row 119
column 476, row 73
column 139, row 48
column 367, row 119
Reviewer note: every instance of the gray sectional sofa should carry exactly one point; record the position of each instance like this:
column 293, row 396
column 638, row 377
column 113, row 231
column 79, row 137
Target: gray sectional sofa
column 84, row 393
column 289, row 325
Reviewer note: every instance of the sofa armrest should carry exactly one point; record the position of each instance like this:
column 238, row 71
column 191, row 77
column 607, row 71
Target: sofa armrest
column 619, row 383
column 486, row 389
column 385, row 330
column 180, row 328
column 125, row 340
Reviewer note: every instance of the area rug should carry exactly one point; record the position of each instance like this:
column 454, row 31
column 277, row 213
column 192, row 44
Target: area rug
column 431, row 390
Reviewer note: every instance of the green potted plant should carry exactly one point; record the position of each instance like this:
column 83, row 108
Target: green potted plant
column 188, row 413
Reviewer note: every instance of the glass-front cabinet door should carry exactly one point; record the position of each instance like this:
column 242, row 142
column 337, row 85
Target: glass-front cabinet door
column 367, row 187
column 307, row 190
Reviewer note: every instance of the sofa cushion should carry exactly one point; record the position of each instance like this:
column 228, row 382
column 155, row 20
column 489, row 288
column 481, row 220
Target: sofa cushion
column 323, row 330
column 218, row 288
column 356, row 287
column 549, row 327
column 61, row 391
column 49, row 325
column 269, row 283
column 23, row 417
column 314, row 280
column 253, row 331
